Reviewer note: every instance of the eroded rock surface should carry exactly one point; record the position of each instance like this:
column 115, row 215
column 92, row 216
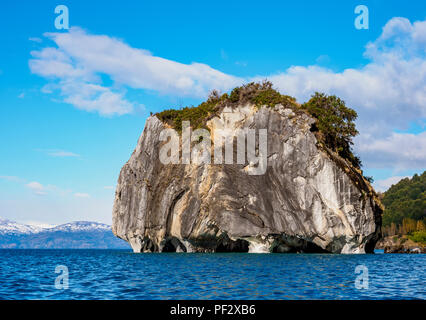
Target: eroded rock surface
column 305, row 202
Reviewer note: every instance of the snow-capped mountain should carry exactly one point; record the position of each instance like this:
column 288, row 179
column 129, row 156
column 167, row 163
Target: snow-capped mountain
column 12, row 227
column 78, row 234
column 80, row 226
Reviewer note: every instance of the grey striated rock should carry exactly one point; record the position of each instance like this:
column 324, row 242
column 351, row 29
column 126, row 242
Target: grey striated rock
column 308, row 200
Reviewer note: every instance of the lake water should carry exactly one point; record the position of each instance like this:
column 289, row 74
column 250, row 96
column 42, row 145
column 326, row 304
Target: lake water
column 120, row 274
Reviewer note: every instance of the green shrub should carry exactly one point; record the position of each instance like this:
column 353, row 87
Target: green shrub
column 256, row 93
column 418, row 236
column 335, row 125
column 196, row 115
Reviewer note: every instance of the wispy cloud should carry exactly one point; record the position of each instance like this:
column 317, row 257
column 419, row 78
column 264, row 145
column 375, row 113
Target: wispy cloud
column 58, row 153
column 241, row 63
column 322, row 59
column 35, row 39
column 62, row 153
column 37, row 188
column 81, row 195
column 223, row 54
column 109, row 187
column 11, row 178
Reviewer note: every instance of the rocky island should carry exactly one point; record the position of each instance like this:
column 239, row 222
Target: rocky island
column 311, row 197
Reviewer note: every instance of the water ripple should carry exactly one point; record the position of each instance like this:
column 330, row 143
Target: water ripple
column 119, row 274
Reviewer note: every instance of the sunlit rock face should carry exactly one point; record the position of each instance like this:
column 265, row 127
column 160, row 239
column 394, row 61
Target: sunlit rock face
column 303, row 202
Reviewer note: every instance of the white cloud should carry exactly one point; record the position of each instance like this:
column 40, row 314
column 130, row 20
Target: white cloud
column 389, row 92
column 37, row 188
column 394, row 82
column 398, row 150
column 81, row 195
column 80, row 58
column 385, row 184
column 35, row 185
column 95, row 98
column 109, row 187
column 42, row 190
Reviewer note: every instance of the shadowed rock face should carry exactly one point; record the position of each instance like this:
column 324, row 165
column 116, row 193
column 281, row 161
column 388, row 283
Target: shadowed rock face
column 304, row 202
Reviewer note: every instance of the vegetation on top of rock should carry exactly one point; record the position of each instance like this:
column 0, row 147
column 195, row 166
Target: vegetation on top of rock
column 260, row 94
column 335, row 124
column 405, row 207
column 196, row 115
column 334, row 127
column 257, row 93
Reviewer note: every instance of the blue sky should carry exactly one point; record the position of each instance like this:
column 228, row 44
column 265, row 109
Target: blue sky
column 74, row 102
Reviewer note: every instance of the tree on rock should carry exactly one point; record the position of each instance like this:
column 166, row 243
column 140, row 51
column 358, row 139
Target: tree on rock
column 335, row 124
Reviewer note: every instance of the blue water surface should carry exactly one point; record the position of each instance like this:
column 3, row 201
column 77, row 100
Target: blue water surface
column 120, row 274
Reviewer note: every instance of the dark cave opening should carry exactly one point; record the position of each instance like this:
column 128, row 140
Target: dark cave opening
column 228, row 245
column 291, row 244
column 173, row 244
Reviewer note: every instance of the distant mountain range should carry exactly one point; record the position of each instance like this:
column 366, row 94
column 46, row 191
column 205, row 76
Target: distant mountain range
column 73, row 235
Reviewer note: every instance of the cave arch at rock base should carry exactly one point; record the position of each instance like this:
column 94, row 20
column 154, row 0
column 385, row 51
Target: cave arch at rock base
column 208, row 244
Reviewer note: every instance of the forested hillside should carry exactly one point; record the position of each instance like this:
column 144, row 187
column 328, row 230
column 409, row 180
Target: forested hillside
column 405, row 208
